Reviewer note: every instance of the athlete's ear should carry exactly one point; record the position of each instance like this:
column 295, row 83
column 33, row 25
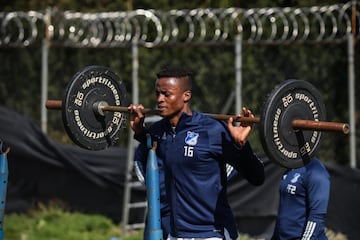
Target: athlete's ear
column 187, row 95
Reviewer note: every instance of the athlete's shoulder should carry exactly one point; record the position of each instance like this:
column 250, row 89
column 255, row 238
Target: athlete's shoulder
column 204, row 119
column 316, row 165
column 317, row 171
column 157, row 126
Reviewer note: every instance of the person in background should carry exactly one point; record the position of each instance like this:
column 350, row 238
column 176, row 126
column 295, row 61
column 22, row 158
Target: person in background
column 193, row 151
column 304, row 198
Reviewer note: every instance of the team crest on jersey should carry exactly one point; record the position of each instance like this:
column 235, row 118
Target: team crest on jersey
column 295, row 178
column 164, row 136
column 191, row 138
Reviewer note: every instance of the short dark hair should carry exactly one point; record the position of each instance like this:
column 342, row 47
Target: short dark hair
column 175, row 71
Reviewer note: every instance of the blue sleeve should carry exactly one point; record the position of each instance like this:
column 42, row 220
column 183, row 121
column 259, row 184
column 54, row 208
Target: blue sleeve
column 246, row 162
column 230, row 172
column 141, row 155
column 243, row 159
column 318, row 197
column 140, row 159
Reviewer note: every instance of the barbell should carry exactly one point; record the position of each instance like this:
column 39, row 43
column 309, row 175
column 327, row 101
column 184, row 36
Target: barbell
column 94, row 111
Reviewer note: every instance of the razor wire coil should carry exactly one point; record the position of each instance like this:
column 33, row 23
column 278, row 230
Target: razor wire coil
column 151, row 28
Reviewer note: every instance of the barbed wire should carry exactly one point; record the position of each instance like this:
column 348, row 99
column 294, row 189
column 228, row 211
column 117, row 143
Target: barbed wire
column 151, row 28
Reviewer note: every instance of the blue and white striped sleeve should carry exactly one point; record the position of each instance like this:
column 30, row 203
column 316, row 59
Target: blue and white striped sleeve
column 318, row 196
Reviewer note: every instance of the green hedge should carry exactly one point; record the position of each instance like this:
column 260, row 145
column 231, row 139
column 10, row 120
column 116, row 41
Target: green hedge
column 55, row 223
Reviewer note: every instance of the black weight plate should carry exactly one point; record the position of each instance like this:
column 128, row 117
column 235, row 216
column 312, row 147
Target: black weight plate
column 292, row 99
column 84, row 126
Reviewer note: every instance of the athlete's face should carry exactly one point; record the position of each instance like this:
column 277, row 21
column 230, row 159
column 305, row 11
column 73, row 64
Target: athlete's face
column 172, row 97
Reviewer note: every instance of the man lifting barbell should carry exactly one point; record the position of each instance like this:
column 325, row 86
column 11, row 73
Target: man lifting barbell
column 291, row 121
column 192, row 151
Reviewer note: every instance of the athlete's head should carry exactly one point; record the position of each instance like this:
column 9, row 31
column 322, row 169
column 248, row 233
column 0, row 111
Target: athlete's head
column 173, row 92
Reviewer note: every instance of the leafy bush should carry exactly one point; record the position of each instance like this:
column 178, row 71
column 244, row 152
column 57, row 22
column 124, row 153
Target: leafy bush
column 54, row 223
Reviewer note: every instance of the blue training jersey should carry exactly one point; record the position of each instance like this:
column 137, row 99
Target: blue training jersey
column 230, row 225
column 304, row 196
column 194, row 158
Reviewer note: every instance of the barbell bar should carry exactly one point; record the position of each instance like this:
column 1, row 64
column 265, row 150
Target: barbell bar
column 94, row 110
column 100, row 107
